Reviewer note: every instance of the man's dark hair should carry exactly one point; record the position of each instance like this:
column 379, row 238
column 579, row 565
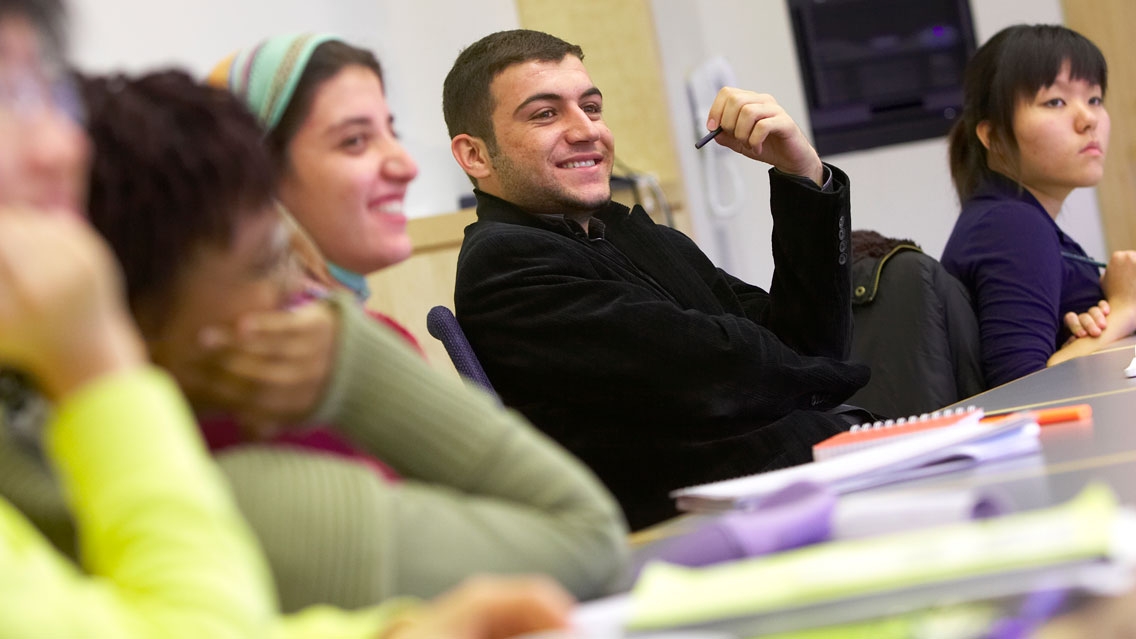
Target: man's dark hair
column 467, row 103
column 45, row 15
column 328, row 59
column 1013, row 65
column 177, row 166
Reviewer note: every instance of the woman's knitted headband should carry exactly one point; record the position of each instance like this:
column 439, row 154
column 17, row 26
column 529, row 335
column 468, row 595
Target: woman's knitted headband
column 265, row 76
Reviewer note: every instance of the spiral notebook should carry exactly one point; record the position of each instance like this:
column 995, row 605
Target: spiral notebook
column 940, row 450
column 874, row 433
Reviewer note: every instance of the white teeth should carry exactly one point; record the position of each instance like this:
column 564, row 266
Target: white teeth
column 390, row 207
column 577, row 165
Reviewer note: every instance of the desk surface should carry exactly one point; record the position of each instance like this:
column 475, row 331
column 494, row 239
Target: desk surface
column 1071, row 457
column 1078, row 380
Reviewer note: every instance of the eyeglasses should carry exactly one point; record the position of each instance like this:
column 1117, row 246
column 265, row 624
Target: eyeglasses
column 26, row 94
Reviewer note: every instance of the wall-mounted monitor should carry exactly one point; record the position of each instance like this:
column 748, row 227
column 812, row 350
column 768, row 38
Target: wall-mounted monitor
column 879, row 72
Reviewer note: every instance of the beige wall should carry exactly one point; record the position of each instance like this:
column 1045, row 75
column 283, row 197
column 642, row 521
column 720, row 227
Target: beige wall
column 1111, row 24
column 407, row 291
column 621, row 54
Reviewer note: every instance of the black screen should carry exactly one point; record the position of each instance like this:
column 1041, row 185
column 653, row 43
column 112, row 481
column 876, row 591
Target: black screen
column 880, row 72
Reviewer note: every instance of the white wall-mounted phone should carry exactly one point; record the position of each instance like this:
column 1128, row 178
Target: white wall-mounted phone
column 722, row 179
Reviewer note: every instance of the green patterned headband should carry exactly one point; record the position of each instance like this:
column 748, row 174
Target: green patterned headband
column 265, row 76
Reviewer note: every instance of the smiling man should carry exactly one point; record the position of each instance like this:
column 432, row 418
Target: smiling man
column 617, row 336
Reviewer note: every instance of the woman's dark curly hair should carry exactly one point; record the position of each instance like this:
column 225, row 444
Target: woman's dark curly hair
column 177, row 166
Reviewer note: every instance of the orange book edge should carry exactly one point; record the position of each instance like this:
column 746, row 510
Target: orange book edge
column 863, row 435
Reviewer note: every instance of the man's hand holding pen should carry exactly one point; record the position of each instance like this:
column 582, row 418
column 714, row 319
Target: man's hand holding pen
column 756, row 126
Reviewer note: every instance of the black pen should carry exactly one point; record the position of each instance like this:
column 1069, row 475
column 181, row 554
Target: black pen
column 1082, row 258
column 706, row 138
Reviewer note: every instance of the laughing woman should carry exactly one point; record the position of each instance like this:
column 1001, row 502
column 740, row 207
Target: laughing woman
column 330, row 133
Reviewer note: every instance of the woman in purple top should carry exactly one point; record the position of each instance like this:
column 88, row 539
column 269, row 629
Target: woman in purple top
column 1034, row 127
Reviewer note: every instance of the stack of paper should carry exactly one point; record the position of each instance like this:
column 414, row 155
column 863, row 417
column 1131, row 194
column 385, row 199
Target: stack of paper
column 1085, row 545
